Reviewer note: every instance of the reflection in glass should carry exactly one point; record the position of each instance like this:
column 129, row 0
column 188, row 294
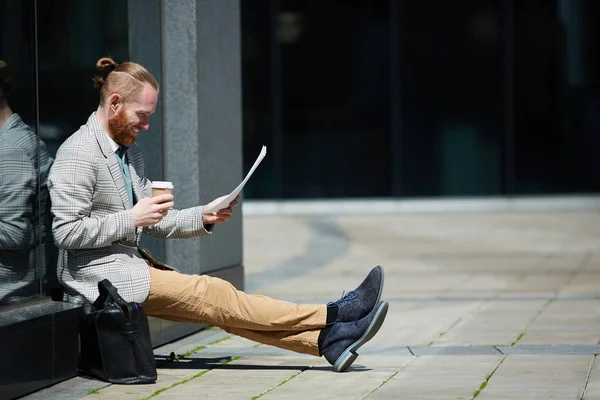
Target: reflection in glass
column 261, row 113
column 24, row 208
column 67, row 51
column 335, row 99
column 557, row 96
column 67, row 47
column 451, row 68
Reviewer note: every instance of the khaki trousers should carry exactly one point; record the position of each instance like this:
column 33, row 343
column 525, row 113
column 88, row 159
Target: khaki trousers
column 205, row 299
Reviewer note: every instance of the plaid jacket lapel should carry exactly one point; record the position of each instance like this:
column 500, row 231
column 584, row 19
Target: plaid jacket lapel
column 111, row 158
column 134, row 182
column 137, row 170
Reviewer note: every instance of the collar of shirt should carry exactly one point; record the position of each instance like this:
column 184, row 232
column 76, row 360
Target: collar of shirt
column 113, row 145
column 11, row 123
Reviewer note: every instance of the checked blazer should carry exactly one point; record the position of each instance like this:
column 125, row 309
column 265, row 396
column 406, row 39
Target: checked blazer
column 93, row 224
column 24, row 209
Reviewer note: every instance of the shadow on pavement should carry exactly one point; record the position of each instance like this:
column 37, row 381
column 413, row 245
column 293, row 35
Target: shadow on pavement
column 218, row 362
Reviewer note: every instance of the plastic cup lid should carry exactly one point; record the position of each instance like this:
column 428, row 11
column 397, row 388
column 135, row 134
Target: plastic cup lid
column 162, row 185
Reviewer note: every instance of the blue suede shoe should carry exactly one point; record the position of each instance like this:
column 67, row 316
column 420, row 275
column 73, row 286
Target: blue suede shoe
column 356, row 304
column 342, row 341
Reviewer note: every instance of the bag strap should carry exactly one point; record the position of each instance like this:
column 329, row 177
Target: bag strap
column 107, row 290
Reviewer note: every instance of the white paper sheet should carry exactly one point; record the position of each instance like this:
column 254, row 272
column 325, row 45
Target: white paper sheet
column 231, row 196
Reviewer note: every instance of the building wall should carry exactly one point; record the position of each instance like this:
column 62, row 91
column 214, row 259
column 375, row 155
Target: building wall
column 421, row 99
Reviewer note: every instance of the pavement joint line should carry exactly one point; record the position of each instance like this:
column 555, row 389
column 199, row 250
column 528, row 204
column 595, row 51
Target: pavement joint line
column 542, row 309
column 587, row 378
column 487, row 379
column 475, row 309
column 441, row 334
column 186, row 380
column 97, row 390
column 541, row 350
column 389, row 378
column 518, row 338
column 383, row 383
column 580, row 268
column 508, row 254
column 489, row 298
column 283, row 382
column 177, row 357
column 522, row 275
column 529, row 273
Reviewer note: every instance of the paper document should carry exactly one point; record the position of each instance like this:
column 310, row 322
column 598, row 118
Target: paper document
column 231, row 196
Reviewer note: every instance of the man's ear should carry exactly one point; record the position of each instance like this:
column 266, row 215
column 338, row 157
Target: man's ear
column 115, row 102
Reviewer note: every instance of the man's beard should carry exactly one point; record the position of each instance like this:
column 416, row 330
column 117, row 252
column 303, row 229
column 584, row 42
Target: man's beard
column 121, row 128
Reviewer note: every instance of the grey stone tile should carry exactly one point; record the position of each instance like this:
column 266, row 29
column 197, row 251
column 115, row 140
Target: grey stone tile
column 453, row 350
column 550, row 350
column 202, row 338
column 389, row 351
column 592, row 390
column 326, row 384
column 436, row 377
column 241, row 378
column 458, row 286
column 248, row 351
column 538, row 377
column 74, row 388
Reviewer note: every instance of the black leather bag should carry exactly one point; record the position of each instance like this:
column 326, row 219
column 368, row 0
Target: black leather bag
column 115, row 339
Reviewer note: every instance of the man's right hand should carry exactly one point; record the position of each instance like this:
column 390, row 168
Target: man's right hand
column 152, row 210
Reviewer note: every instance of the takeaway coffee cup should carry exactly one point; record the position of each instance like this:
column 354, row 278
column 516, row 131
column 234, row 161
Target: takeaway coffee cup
column 161, row 187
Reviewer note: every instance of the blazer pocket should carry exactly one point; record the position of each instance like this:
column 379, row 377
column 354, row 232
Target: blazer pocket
column 88, row 260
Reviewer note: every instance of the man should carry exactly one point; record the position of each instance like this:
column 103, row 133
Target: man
column 101, row 204
column 24, row 206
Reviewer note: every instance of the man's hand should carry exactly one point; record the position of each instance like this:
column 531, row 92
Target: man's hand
column 222, row 215
column 152, row 210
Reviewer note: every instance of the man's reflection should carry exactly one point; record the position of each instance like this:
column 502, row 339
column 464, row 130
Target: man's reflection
column 24, row 205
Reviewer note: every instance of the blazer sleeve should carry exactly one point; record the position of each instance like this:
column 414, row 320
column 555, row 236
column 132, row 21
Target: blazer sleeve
column 71, row 184
column 18, row 184
column 181, row 224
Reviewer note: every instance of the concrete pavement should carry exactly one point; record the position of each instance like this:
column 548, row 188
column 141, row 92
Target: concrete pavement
column 482, row 305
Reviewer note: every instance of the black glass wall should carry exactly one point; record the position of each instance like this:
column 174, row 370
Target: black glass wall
column 398, row 98
column 48, row 51
column 22, row 234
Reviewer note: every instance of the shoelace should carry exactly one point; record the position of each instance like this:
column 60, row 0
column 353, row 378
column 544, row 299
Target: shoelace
column 345, row 297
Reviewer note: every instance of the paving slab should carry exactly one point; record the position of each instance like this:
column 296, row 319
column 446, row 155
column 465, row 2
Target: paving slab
column 191, row 342
column 538, row 377
column 592, row 389
column 482, row 327
column 71, row 389
column 425, row 323
column 127, row 392
column 550, row 350
column 242, row 378
column 453, row 350
column 323, row 383
column 462, row 288
column 438, row 377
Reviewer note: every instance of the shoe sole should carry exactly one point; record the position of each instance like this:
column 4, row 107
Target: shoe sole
column 346, row 359
column 380, row 287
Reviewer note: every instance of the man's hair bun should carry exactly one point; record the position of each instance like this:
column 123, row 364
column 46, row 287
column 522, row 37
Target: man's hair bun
column 106, row 65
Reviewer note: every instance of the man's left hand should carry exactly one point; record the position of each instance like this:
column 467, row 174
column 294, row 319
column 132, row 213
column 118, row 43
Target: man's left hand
column 222, row 215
